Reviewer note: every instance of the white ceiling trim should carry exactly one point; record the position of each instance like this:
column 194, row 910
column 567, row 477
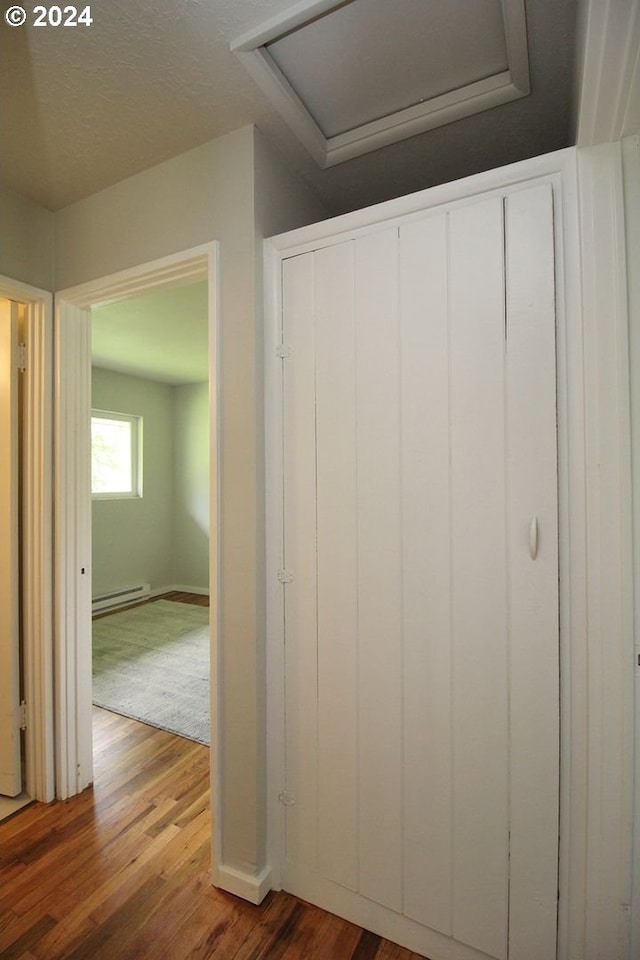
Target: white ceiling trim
column 608, row 71
column 436, row 112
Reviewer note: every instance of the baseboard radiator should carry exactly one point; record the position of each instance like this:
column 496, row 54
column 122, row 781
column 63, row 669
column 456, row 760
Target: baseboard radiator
column 116, row 598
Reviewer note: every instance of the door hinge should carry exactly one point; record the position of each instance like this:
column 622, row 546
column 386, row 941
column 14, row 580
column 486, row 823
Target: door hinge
column 285, row 576
column 283, row 351
column 22, row 357
column 23, row 715
column 286, row 799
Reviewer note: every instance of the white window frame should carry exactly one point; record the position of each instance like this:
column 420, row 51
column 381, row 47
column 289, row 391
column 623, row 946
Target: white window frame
column 136, row 456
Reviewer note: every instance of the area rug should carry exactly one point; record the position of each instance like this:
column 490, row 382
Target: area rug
column 151, row 663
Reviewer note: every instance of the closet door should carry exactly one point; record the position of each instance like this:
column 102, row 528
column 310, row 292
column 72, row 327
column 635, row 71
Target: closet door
column 421, row 608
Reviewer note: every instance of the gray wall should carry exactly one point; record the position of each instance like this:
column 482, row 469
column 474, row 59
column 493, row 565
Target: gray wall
column 203, row 195
column 163, row 537
column 232, row 190
column 26, row 241
column 133, row 538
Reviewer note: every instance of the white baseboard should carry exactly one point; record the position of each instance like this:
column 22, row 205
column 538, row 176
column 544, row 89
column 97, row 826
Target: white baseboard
column 243, row 883
column 181, row 588
column 202, row 591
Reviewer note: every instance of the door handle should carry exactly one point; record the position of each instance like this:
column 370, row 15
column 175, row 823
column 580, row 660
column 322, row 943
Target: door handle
column 533, row 538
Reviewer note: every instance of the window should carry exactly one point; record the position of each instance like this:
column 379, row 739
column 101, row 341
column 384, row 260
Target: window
column 116, row 455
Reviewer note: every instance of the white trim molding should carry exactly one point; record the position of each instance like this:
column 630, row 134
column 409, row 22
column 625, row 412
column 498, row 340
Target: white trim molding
column 72, row 581
column 37, row 536
column 510, row 84
column 608, row 71
column 631, row 170
column 595, row 545
column 245, row 883
column 610, row 647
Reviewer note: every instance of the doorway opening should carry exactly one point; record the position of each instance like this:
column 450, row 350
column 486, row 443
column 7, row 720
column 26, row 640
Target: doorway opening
column 73, row 503
column 150, row 520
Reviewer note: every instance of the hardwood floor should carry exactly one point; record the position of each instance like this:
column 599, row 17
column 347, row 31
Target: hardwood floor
column 200, row 600
column 122, row 871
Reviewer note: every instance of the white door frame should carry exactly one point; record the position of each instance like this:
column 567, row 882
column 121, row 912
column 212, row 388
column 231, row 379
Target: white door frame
column 596, row 657
column 72, row 497
column 37, row 537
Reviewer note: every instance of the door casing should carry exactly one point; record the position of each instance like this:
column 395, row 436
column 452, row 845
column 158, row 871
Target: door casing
column 37, row 567
column 72, row 501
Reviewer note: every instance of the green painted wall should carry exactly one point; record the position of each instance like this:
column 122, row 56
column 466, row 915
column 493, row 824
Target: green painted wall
column 191, row 486
column 133, row 539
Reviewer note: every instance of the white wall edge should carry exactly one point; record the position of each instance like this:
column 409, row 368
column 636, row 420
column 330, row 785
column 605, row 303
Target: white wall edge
column 631, row 165
column 608, row 46
column 72, row 549
column 609, row 552
column 243, row 883
column 274, row 561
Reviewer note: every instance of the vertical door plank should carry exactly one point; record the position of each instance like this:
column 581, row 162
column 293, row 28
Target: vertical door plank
column 300, row 558
column 532, row 492
column 379, row 561
column 10, row 766
column 426, row 587
column 478, row 601
column 337, row 565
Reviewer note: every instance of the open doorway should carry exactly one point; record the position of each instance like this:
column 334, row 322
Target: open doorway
column 150, row 508
column 73, row 504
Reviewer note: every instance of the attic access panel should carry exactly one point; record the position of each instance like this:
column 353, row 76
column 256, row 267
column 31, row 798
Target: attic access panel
column 352, row 77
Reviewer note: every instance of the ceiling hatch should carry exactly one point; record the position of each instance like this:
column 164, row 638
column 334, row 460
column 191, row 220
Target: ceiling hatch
column 352, row 77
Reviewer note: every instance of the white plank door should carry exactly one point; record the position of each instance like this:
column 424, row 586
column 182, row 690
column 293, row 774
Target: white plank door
column 421, row 608
column 10, row 753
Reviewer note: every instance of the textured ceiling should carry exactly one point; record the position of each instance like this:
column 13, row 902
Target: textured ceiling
column 82, row 108
column 160, row 335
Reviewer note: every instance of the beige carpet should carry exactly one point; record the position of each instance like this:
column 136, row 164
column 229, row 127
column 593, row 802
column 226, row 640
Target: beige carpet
column 151, row 663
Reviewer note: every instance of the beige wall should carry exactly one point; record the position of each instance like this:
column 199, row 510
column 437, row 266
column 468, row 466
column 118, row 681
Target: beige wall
column 132, row 539
column 26, row 241
column 232, row 190
column 201, row 195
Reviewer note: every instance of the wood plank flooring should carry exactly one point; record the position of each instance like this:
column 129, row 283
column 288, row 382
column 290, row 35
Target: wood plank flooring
column 122, row 871
column 199, row 599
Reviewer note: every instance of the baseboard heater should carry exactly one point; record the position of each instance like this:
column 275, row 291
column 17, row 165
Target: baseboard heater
column 119, row 597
